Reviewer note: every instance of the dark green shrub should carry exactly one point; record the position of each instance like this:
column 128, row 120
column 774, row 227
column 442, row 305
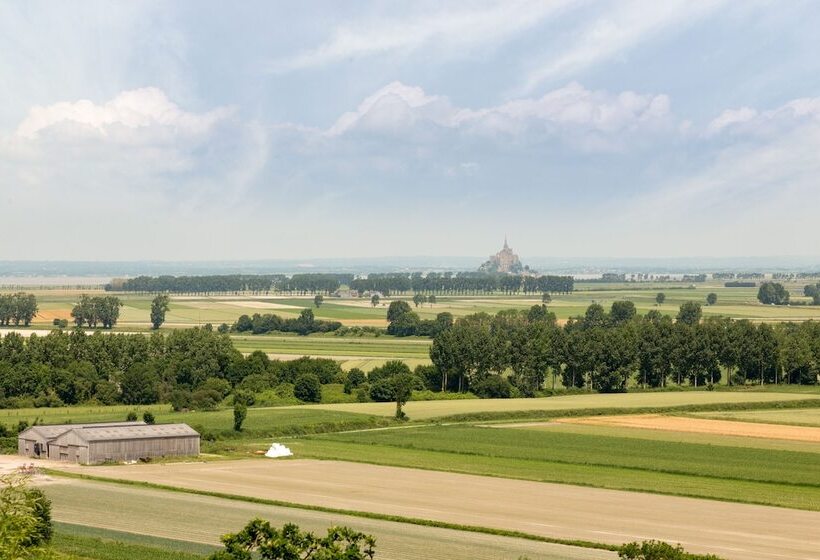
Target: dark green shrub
column 492, row 387
column 308, row 388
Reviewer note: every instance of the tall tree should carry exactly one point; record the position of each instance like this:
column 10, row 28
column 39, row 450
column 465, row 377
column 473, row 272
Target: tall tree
column 689, row 313
column 318, row 299
column 374, row 300
column 660, row 298
column 712, row 298
column 159, row 307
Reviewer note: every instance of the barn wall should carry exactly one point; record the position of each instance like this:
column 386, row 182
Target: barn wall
column 132, row 450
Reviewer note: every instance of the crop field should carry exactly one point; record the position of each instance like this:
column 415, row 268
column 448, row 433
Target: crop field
column 802, row 417
column 197, row 310
column 425, row 410
column 739, row 531
column 710, row 470
column 700, row 425
column 202, row 519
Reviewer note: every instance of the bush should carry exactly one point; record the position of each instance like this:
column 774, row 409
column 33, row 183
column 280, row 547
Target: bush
column 216, row 384
column 382, row 390
column 205, row 399
column 355, row 378
column 363, row 393
column 180, row 399
column 131, row 417
column 492, row 387
column 657, row 550
column 308, row 388
column 148, row 418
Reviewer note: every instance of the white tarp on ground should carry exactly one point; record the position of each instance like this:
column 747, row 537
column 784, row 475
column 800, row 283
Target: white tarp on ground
column 278, row 450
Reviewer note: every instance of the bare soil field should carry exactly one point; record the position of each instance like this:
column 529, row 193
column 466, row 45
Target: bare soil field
column 703, row 426
column 203, row 519
column 731, row 530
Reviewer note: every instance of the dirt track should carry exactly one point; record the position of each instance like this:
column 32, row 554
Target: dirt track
column 731, row 530
column 703, row 426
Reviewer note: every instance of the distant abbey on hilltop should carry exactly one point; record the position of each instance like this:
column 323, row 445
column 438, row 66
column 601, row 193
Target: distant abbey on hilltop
column 504, row 261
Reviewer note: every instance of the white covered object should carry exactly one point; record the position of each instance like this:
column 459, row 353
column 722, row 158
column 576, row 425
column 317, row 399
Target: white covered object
column 278, row 450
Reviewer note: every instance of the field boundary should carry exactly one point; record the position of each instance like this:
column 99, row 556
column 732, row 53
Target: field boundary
column 340, row 511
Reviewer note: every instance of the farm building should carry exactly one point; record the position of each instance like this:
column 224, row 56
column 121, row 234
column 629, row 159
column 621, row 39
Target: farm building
column 91, row 446
column 33, row 441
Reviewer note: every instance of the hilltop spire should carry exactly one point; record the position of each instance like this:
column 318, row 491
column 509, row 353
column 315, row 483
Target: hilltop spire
column 505, row 242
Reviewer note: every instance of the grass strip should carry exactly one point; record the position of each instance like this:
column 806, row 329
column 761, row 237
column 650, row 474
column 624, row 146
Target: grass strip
column 339, row 511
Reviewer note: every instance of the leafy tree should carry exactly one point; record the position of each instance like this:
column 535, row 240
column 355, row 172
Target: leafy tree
column 260, row 539
column 355, row 378
column 546, row 298
column 318, row 300
column 431, row 299
column 396, row 309
column 772, row 293
column 25, row 520
column 660, row 298
column 403, row 385
column 240, row 412
column 139, row 385
column 418, row 299
column 374, row 300
column 689, row 313
column 159, row 307
column 622, row 312
column 712, row 298
column 308, row 388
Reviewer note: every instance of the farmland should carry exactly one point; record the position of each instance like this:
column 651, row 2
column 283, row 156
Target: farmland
column 542, row 510
column 192, row 520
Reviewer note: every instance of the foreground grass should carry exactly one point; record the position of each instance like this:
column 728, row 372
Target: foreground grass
column 762, row 476
column 76, row 542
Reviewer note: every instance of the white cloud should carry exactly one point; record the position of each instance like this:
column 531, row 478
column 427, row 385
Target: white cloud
column 752, row 122
column 134, row 109
column 572, row 110
column 753, row 196
column 624, row 25
column 468, row 25
column 730, row 117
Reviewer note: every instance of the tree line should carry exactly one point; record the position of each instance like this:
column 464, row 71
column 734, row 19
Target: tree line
column 96, row 311
column 305, row 324
column 461, row 283
column 189, row 368
column 16, row 309
column 233, row 283
column 604, row 350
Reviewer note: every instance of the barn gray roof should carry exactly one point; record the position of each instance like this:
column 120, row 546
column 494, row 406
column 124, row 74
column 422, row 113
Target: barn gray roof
column 51, row 431
column 145, row 431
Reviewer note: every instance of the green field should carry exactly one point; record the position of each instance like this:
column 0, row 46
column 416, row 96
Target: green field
column 425, row 410
column 197, row 310
column 260, row 421
column 708, row 470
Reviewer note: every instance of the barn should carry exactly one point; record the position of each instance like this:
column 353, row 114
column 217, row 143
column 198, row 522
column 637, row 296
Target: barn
column 101, row 444
column 33, row 441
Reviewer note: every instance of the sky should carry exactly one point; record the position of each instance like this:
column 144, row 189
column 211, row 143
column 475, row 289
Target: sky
column 206, row 130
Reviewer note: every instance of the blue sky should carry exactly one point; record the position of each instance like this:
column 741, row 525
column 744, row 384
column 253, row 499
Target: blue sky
column 199, row 130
